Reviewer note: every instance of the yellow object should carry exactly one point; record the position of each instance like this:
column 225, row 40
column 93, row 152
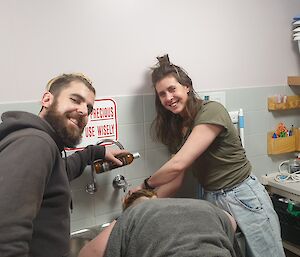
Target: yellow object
column 283, row 144
column 281, row 130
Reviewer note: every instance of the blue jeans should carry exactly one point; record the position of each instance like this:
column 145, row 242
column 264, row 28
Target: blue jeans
column 249, row 203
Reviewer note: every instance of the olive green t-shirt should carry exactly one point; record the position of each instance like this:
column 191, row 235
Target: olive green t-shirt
column 224, row 163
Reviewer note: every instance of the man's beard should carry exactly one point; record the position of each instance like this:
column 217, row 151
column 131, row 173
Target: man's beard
column 69, row 136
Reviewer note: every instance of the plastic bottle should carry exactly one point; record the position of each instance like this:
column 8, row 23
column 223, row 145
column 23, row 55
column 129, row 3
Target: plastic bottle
column 241, row 126
column 102, row 166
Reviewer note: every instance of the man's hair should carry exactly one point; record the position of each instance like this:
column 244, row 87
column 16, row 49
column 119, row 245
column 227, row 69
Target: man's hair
column 57, row 84
column 130, row 199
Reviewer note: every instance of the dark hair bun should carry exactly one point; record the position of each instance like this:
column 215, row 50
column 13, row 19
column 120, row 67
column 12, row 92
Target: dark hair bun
column 163, row 60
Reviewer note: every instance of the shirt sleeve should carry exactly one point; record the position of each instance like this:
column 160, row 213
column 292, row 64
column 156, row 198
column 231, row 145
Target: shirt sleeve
column 77, row 161
column 213, row 113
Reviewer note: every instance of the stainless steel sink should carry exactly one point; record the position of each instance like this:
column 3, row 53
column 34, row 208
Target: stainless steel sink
column 81, row 237
column 76, row 244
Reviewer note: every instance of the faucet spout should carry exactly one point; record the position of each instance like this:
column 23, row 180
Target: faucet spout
column 91, row 187
column 117, row 143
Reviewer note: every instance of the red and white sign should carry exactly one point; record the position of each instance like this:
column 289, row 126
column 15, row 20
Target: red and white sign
column 102, row 123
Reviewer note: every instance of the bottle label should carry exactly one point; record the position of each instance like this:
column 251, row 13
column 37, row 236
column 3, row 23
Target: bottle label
column 105, row 166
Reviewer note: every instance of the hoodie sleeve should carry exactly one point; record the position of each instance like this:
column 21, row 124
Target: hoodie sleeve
column 25, row 167
column 77, row 161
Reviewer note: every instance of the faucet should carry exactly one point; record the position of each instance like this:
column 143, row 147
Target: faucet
column 107, row 140
column 91, row 187
column 120, row 182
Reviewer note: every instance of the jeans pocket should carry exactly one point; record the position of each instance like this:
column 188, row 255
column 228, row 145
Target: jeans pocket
column 247, row 198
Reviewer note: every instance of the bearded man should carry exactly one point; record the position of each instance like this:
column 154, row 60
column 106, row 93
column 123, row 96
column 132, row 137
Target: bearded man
column 34, row 177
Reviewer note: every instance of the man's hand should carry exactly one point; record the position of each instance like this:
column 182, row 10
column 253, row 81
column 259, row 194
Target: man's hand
column 111, row 153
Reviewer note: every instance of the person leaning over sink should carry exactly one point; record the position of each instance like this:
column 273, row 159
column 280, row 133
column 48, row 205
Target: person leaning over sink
column 166, row 227
column 202, row 139
column 34, row 178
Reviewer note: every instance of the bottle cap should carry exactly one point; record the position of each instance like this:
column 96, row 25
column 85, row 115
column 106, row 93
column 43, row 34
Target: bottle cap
column 136, row 155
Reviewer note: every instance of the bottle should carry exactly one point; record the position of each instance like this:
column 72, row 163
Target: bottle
column 102, row 166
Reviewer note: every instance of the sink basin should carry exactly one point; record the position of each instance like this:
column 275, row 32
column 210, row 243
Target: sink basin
column 76, row 244
column 81, row 237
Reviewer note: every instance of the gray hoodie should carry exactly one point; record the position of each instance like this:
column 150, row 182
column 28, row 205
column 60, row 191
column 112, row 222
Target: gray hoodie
column 34, row 186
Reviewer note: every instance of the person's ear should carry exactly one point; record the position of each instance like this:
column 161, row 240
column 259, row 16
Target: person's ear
column 47, row 99
column 187, row 88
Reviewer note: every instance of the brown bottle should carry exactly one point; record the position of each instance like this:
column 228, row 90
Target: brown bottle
column 102, row 166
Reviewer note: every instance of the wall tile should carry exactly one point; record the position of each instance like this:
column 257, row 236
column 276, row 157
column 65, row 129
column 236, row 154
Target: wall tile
column 33, row 107
column 155, row 159
column 136, row 182
column 272, row 91
column 130, row 109
column 260, row 165
column 81, row 182
column 247, row 99
column 132, row 136
column 149, row 143
column 137, row 168
column 292, row 90
column 256, row 122
column 106, row 178
column 288, row 117
column 83, row 205
column 149, row 108
column 250, row 99
column 256, row 144
column 107, row 200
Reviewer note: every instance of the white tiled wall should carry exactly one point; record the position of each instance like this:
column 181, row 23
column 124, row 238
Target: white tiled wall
column 135, row 114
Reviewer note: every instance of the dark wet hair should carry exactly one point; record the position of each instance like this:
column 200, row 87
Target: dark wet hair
column 167, row 126
column 131, row 198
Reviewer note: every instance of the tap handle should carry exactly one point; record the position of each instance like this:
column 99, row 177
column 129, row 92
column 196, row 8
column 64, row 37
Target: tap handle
column 120, row 182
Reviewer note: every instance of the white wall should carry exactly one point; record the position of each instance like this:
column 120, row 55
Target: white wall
column 222, row 44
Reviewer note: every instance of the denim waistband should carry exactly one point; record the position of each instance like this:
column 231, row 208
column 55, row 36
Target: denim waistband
column 228, row 189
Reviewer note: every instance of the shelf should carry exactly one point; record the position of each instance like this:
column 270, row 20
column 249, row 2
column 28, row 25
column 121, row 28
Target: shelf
column 292, row 102
column 294, row 80
column 283, row 144
column 291, row 247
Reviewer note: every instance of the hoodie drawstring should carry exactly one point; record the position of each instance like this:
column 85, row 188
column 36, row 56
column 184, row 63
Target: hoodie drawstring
column 66, row 166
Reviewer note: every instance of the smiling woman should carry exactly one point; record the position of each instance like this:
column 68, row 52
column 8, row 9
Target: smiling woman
column 172, row 95
column 202, row 140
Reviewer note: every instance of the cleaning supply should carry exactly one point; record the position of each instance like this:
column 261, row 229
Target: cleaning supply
column 241, row 126
column 293, row 209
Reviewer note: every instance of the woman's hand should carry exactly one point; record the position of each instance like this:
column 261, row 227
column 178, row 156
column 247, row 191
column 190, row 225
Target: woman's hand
column 134, row 189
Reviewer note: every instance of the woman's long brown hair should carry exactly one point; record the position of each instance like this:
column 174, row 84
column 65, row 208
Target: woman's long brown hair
column 167, row 127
